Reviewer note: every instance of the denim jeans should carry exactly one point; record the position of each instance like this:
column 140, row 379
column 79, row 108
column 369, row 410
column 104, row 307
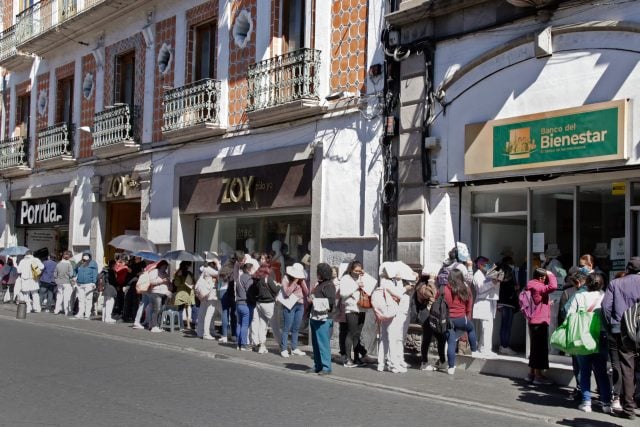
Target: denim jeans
column 321, row 341
column 292, row 319
column 47, row 292
column 228, row 313
column 244, row 312
column 460, row 326
column 597, row 362
column 505, row 325
column 155, row 301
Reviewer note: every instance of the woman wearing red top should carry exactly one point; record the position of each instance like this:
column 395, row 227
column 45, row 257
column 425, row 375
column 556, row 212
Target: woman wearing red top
column 460, row 301
column 542, row 284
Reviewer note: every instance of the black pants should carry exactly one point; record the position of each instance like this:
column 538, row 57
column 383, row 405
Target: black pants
column 614, row 357
column 628, row 362
column 342, row 337
column 427, row 335
column 131, row 302
column 355, row 322
column 119, row 302
column 539, row 356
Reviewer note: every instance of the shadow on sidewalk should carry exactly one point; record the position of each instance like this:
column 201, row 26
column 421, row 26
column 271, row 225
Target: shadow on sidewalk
column 586, row 422
column 297, row 366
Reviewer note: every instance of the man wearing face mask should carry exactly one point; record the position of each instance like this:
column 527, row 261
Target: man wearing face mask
column 485, row 304
column 86, row 278
column 507, row 303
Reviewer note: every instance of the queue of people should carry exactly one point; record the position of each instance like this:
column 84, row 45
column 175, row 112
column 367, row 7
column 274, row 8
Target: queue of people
column 456, row 305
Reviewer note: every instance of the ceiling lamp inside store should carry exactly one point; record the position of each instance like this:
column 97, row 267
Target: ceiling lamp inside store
column 530, row 3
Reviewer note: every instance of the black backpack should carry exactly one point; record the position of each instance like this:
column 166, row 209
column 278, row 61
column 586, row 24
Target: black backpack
column 438, row 319
column 630, row 327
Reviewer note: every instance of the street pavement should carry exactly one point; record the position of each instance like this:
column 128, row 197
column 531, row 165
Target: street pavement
column 58, row 371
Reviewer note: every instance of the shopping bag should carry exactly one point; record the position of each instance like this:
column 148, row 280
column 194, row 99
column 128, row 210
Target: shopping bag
column 579, row 334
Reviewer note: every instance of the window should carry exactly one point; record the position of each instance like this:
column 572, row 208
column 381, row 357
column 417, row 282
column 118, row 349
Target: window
column 64, row 101
column 293, row 25
column 23, row 114
column 125, row 79
column 66, row 8
column 25, row 4
column 205, row 51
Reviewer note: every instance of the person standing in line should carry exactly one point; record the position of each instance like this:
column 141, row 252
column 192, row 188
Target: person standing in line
column 86, row 277
column 159, row 282
column 460, row 301
column 266, row 291
column 293, row 286
column 591, row 300
column 184, row 283
column 424, row 297
column 48, row 285
column 507, row 303
column 29, row 268
column 108, row 281
column 245, row 301
column 9, row 276
column 62, row 276
column 131, row 298
column 573, row 284
column 541, row 286
column 485, row 304
column 621, row 294
column 351, row 285
column 207, row 294
column 323, row 299
column 226, row 293
column 121, row 270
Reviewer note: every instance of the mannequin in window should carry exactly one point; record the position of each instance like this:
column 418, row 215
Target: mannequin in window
column 277, row 260
column 250, row 244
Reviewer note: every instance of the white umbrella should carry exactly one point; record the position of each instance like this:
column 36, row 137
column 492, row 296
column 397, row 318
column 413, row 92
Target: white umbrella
column 133, row 243
column 182, row 255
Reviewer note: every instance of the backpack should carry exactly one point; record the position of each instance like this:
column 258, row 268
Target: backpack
column 384, row 306
column 143, row 283
column 438, row 319
column 527, row 306
column 36, row 271
column 630, row 327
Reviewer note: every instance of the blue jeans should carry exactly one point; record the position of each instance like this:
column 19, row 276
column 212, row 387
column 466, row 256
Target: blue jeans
column 321, row 341
column 292, row 320
column 460, row 326
column 597, row 362
column 244, row 312
column 228, row 313
column 505, row 326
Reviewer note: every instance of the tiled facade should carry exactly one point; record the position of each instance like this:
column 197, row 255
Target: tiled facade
column 349, row 45
column 239, row 61
column 198, row 15
column 165, row 35
column 87, row 104
column 42, row 114
column 63, row 72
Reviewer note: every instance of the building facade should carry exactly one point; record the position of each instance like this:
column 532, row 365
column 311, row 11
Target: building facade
column 518, row 130
column 202, row 125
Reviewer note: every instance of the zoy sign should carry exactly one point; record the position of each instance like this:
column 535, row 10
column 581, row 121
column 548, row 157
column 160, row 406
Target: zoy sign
column 237, row 189
column 590, row 133
column 40, row 212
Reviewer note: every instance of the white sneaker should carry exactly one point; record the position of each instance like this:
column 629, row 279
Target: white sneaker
column 403, row 364
column 607, row 409
column 110, row 321
column 284, row 353
column 222, row 340
column 380, row 368
column 263, row 349
column 298, row 352
column 427, row 367
column 507, row 351
column 615, row 404
column 585, row 406
column 398, row 370
column 451, row 371
column 477, row 355
column 155, row 329
column 208, row 337
column 137, row 326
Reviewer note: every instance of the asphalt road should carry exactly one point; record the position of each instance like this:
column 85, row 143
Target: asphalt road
column 63, row 377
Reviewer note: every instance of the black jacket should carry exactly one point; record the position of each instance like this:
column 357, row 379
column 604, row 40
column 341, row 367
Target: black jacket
column 265, row 290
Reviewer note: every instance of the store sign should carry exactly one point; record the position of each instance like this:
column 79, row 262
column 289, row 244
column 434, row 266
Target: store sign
column 271, row 186
column 585, row 134
column 41, row 212
column 124, row 186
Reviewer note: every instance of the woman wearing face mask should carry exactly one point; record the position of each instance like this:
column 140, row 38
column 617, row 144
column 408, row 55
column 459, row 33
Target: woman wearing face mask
column 485, row 304
column 159, row 281
column 351, row 284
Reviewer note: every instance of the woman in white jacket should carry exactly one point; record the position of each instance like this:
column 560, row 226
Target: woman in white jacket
column 207, row 294
column 485, row 305
column 351, row 285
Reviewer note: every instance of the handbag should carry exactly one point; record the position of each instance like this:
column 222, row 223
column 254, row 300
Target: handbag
column 364, row 301
column 579, row 334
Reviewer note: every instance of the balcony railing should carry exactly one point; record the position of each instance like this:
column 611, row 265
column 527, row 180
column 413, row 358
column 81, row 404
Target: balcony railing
column 191, row 105
column 55, row 142
column 8, row 43
column 113, row 125
column 47, row 14
column 283, row 79
column 14, row 152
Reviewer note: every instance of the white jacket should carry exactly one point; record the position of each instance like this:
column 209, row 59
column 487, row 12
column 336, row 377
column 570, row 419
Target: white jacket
column 349, row 293
column 24, row 270
column 484, row 308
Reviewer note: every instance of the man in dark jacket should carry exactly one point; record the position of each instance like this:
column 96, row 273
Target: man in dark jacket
column 621, row 294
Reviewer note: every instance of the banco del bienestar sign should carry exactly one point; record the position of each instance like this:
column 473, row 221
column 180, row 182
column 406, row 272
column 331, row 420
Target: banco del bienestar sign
column 591, row 133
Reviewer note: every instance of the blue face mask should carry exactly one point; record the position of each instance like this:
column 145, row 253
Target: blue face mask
column 584, row 269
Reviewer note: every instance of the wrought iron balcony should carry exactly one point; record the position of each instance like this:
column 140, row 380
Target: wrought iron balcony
column 9, row 56
column 14, row 156
column 39, row 26
column 55, row 145
column 113, row 132
column 284, row 87
column 192, row 111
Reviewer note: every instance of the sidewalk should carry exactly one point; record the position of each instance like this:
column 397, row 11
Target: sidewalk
column 468, row 387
